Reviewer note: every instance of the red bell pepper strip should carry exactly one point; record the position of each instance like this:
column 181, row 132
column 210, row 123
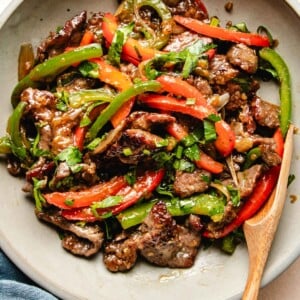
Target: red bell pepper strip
column 279, row 141
column 79, row 137
column 259, row 196
column 132, row 50
column 109, row 27
column 225, row 136
column 111, row 75
column 205, row 161
column 177, row 131
column 80, row 132
column 169, row 103
column 88, row 196
column 179, row 87
column 202, row 7
column 225, row 141
column 250, row 39
column 143, row 186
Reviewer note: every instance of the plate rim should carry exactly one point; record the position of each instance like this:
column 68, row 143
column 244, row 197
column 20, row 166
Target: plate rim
column 24, row 265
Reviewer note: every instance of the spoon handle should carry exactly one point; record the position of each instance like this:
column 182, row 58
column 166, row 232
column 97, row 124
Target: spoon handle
column 260, row 229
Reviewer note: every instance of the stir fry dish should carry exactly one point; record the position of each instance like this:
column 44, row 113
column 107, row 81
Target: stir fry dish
column 140, row 133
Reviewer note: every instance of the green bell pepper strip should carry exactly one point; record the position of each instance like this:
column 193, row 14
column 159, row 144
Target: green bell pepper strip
column 13, row 129
column 202, row 204
column 79, row 98
column 251, row 157
column 57, row 64
column 50, row 68
column 5, row 145
column 20, row 87
column 118, row 101
column 153, row 39
column 283, row 73
column 159, row 39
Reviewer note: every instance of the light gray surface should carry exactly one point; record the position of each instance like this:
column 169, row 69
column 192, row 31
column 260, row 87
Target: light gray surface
column 35, row 247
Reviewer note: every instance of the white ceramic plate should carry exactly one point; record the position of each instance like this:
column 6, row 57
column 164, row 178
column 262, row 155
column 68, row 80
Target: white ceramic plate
column 35, row 247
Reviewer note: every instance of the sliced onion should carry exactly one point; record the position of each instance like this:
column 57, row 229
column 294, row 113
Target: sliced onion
column 219, row 101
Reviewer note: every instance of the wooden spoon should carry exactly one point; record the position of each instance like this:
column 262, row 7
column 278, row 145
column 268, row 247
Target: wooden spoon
column 260, row 229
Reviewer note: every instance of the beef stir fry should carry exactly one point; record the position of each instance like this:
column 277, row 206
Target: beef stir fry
column 141, row 133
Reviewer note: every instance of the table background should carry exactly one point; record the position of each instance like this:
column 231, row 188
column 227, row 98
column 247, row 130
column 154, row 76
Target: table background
column 287, row 285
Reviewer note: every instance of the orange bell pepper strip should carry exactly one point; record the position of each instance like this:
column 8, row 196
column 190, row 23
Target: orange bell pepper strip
column 143, row 186
column 111, row 75
column 256, row 200
column 88, row 196
column 250, row 39
column 132, row 51
column 87, row 38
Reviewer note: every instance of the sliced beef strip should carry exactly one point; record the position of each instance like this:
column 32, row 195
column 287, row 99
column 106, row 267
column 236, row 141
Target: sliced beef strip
column 201, row 84
column 247, row 119
column 247, row 179
column 221, row 71
column 80, row 240
column 137, row 141
column 56, row 133
column 120, row 254
column 269, row 154
column 69, row 35
column 186, row 184
column 243, row 57
column 265, row 113
column 145, row 120
column 164, row 243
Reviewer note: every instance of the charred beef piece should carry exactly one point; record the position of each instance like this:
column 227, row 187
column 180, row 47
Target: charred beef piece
column 269, row 154
column 265, row 113
column 164, row 243
column 180, row 41
column 201, row 84
column 186, row 184
column 221, row 70
column 158, row 239
column 56, row 133
column 131, row 70
column 187, row 8
column 70, row 82
column 243, row 57
column 69, row 35
column 142, row 137
column 137, row 141
column 80, row 240
column 145, row 120
column 137, row 137
column 94, row 24
column 247, row 119
column 248, row 179
column 120, row 255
